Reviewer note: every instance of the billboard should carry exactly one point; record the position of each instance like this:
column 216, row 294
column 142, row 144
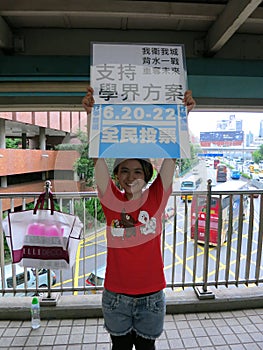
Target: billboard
column 221, row 138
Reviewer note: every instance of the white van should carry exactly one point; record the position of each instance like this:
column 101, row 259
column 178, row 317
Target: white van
column 24, row 278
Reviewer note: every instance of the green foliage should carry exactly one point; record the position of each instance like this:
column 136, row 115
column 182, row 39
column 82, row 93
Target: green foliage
column 31, row 206
column 93, row 209
column 93, row 206
column 85, row 170
column 7, row 253
column 13, row 143
column 187, row 163
column 246, row 176
column 84, row 166
column 195, row 149
column 258, row 154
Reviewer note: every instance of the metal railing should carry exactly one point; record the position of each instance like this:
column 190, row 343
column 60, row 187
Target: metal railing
column 188, row 261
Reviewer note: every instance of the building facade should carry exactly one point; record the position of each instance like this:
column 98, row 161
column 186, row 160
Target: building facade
column 36, row 159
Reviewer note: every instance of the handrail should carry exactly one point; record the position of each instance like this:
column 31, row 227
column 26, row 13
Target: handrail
column 188, row 263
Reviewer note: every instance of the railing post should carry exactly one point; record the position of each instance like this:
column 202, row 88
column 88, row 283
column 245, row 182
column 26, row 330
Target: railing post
column 203, row 292
column 51, row 298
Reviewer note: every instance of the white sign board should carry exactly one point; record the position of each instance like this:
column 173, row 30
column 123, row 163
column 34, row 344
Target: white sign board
column 144, row 85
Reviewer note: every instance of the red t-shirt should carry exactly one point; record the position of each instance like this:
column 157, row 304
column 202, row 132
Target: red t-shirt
column 134, row 259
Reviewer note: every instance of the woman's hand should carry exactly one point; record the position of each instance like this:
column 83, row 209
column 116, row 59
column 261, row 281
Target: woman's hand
column 188, row 100
column 88, row 100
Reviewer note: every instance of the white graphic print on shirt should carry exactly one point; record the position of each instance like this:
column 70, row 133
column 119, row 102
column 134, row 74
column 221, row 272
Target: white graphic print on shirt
column 126, row 225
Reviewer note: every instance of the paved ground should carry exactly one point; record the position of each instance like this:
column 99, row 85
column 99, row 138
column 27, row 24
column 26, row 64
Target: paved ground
column 233, row 330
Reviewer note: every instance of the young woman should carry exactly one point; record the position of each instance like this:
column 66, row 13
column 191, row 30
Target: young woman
column 133, row 301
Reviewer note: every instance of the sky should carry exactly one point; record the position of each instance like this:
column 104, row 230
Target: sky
column 206, row 121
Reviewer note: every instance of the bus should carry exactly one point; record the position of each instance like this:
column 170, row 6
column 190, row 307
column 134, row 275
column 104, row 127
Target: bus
column 221, row 173
column 188, row 185
column 220, row 206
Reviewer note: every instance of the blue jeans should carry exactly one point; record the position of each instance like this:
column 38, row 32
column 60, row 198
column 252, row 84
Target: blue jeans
column 143, row 315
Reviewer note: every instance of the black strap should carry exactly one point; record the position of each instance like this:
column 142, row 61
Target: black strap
column 41, row 201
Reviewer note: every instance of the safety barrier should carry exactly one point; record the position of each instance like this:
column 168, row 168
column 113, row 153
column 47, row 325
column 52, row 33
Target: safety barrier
column 190, row 260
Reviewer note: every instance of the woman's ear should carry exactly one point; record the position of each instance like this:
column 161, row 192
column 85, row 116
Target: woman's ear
column 116, row 179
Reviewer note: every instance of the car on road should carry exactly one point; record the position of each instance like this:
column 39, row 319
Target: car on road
column 96, row 278
column 25, row 278
column 235, row 174
column 169, row 212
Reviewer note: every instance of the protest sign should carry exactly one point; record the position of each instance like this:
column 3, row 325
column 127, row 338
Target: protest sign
column 139, row 111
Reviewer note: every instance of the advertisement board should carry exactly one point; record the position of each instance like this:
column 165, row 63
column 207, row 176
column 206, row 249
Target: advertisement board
column 221, row 138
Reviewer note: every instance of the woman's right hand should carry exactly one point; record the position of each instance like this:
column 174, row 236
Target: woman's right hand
column 88, row 100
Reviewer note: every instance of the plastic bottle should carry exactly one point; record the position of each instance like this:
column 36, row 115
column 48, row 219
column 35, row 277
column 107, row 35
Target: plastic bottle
column 53, row 230
column 36, row 229
column 35, row 313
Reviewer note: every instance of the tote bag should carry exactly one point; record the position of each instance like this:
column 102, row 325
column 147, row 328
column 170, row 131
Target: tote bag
column 43, row 238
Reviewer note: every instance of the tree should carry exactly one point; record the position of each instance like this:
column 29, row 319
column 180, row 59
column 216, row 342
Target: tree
column 258, row 154
column 12, row 143
column 186, row 163
column 85, row 169
column 84, row 166
column 195, row 150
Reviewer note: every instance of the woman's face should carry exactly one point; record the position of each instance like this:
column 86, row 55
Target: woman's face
column 131, row 177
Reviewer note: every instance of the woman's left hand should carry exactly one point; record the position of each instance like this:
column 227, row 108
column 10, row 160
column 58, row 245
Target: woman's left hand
column 88, row 100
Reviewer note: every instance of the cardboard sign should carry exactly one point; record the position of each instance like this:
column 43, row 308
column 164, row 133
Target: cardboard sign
column 139, row 111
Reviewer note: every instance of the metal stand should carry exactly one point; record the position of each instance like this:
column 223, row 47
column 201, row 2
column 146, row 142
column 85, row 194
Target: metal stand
column 202, row 294
column 49, row 299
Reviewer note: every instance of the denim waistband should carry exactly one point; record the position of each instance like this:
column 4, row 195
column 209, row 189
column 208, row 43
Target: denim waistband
column 139, row 295
column 134, row 295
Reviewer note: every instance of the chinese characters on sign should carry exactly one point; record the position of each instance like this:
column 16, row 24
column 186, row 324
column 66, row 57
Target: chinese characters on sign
column 139, row 90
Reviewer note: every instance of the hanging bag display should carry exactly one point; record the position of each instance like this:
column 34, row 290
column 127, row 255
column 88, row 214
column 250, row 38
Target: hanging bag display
column 43, row 238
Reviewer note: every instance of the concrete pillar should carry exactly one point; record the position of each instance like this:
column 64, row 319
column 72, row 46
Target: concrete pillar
column 3, row 181
column 42, row 139
column 75, row 176
column 42, row 146
column 67, row 138
column 2, row 133
column 24, row 140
